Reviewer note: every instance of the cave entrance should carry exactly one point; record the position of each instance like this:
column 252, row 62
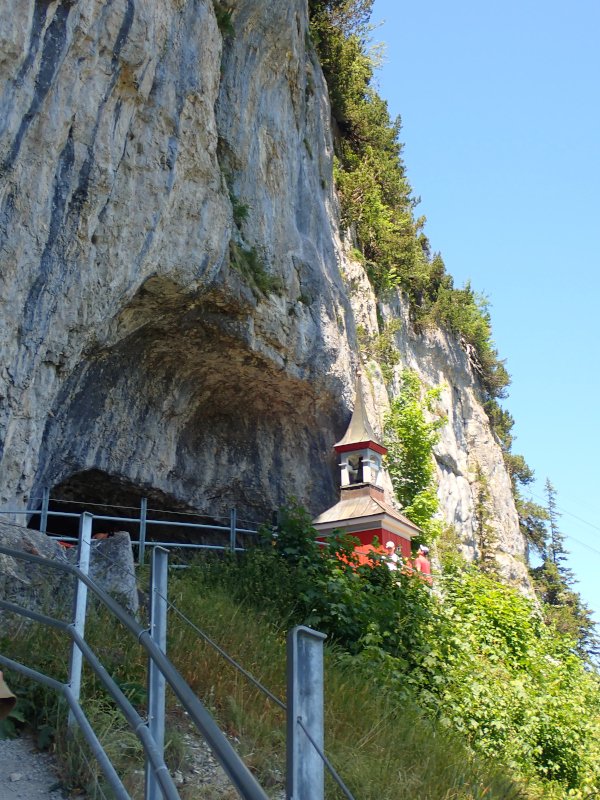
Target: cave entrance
column 104, row 495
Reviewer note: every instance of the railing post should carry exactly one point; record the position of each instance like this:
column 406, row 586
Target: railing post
column 45, row 504
column 142, row 545
column 83, row 561
column 305, row 776
column 156, row 680
column 232, row 529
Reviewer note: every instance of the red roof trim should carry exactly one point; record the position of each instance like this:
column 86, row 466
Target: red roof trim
column 346, row 448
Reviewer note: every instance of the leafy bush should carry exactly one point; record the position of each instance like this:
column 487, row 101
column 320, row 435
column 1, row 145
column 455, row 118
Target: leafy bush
column 509, row 683
column 410, row 437
column 478, row 659
column 249, row 264
column 382, row 748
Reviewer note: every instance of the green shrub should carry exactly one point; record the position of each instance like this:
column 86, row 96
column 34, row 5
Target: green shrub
column 410, row 437
column 478, row 660
column 223, row 16
column 249, row 264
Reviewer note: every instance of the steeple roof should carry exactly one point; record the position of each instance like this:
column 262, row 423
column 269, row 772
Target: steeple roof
column 360, row 430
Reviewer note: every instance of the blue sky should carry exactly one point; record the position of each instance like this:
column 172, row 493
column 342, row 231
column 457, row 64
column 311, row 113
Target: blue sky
column 501, row 124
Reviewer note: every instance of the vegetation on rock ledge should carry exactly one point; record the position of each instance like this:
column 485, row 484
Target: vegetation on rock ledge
column 378, row 207
column 376, row 197
column 410, row 438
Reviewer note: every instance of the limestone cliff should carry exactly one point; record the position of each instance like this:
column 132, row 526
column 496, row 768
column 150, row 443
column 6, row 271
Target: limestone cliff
column 174, row 320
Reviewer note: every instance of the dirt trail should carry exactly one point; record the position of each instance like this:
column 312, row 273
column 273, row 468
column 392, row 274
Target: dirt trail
column 26, row 773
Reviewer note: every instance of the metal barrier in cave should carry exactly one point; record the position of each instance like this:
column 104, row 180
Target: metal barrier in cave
column 232, row 536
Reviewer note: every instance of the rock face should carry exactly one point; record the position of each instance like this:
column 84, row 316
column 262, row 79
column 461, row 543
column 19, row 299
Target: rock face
column 28, row 585
column 41, row 588
column 173, row 316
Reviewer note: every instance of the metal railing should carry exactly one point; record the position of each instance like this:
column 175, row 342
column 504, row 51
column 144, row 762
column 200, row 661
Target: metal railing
column 234, row 767
column 305, row 693
column 305, row 756
column 141, row 521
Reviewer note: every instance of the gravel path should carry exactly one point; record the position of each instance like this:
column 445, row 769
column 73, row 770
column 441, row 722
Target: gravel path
column 26, row 773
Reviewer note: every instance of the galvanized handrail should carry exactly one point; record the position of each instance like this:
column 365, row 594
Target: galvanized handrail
column 142, row 522
column 87, row 730
column 235, row 768
column 304, row 783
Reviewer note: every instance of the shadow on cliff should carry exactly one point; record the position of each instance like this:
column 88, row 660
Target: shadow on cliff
column 191, row 405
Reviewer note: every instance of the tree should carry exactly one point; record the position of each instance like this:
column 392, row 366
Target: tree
column 553, row 581
column 376, row 200
column 532, row 523
column 410, row 438
column 557, row 553
column 486, row 534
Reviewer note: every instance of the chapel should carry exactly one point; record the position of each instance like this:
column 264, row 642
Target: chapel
column 363, row 510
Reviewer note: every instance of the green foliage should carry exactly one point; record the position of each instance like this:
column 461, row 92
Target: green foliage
column 478, row 660
column 245, row 259
column 563, row 607
column 413, row 676
column 301, row 581
column 410, row 435
column 532, row 523
column 381, row 347
column 372, row 739
column 486, row 534
column 223, row 16
column 466, row 314
column 240, row 210
column 501, row 421
column 248, row 263
column 375, row 195
column 493, row 671
column 532, row 517
column 556, row 545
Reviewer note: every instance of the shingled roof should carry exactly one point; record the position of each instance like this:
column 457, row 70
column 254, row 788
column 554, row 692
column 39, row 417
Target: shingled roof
column 364, row 501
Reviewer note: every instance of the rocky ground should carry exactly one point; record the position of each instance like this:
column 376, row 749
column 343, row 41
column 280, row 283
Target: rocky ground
column 202, row 778
column 26, row 773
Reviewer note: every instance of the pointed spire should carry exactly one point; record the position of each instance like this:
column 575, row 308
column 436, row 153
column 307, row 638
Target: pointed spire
column 360, row 430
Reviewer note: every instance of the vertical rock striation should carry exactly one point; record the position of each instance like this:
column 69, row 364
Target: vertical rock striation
column 173, row 315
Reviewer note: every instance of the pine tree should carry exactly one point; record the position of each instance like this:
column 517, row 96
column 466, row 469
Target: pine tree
column 557, row 553
column 554, row 581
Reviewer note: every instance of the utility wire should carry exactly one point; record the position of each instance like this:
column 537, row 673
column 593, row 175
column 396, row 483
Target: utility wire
column 579, row 519
column 569, row 513
column 222, row 653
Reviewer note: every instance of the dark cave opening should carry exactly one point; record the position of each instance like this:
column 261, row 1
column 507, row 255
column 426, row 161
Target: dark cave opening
column 104, row 495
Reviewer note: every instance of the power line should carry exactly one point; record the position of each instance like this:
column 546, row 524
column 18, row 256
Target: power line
column 568, row 513
column 583, row 544
column 579, row 519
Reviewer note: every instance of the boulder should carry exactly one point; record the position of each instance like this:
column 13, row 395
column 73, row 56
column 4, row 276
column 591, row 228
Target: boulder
column 113, row 569
column 41, row 588
column 32, row 586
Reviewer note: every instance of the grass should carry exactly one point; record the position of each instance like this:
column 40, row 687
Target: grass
column 382, row 751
